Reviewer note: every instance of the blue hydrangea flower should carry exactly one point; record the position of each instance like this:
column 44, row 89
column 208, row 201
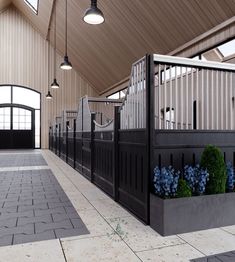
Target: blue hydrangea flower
column 165, row 181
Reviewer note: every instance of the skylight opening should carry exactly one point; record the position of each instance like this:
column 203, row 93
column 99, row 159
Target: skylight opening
column 228, row 48
column 33, row 4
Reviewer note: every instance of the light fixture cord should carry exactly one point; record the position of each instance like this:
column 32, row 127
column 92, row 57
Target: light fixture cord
column 55, row 44
column 48, row 52
column 94, row 3
column 66, row 27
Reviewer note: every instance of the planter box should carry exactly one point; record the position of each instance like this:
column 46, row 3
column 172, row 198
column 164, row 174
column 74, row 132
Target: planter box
column 182, row 215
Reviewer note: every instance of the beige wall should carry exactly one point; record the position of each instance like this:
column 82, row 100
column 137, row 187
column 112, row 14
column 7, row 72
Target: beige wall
column 23, row 54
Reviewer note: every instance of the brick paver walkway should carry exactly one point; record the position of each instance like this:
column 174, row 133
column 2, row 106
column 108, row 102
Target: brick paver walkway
column 34, row 207
column 19, row 160
column 223, row 257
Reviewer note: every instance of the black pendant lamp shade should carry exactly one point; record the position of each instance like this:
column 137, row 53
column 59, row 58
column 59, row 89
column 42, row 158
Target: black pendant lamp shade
column 48, row 96
column 55, row 83
column 93, row 15
column 66, row 65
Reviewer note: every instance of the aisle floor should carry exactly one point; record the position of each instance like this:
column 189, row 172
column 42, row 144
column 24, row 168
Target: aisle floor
column 107, row 231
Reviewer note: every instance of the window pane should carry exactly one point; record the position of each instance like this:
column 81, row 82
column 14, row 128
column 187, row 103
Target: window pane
column 21, row 125
column 37, row 128
column 114, row 96
column 28, row 126
column 227, row 49
column 26, row 97
column 21, row 119
column 15, row 125
column 5, row 94
column 123, row 93
column 5, row 118
column 33, row 4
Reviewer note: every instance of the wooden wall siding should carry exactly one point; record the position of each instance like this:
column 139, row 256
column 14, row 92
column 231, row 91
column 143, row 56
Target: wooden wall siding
column 23, row 55
column 41, row 21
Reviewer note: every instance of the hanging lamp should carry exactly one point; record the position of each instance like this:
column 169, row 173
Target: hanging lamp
column 55, row 84
column 48, row 95
column 93, row 15
column 66, row 65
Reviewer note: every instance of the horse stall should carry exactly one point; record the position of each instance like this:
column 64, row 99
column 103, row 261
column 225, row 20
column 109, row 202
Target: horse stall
column 173, row 108
column 94, row 130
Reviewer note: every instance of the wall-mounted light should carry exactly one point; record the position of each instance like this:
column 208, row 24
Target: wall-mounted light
column 93, row 15
column 55, row 83
column 66, row 65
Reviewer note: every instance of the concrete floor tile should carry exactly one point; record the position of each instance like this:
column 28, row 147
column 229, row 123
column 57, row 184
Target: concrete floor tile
column 46, row 251
column 95, row 223
column 178, row 253
column 212, row 241
column 110, row 209
column 98, row 249
column 93, row 194
column 81, row 204
column 139, row 236
column 229, row 229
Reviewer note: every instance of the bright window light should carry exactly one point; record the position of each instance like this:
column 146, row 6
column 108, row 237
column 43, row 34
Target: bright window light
column 228, row 48
column 33, row 4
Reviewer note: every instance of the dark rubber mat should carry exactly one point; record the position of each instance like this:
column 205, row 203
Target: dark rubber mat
column 34, row 207
column 223, row 257
column 20, row 160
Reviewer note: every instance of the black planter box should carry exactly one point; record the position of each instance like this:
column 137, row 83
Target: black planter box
column 182, row 215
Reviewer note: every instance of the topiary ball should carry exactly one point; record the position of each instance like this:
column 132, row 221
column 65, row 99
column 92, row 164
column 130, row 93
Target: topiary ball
column 212, row 159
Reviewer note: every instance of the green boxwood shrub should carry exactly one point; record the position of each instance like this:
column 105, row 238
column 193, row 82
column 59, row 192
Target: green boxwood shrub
column 212, row 160
column 183, row 189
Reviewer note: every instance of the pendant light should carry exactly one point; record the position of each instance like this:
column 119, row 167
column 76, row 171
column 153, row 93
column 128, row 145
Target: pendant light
column 66, row 65
column 93, row 15
column 48, row 96
column 55, row 83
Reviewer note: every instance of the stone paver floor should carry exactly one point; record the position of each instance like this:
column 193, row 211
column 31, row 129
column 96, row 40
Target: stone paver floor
column 33, row 206
column 223, row 257
column 114, row 234
column 23, row 159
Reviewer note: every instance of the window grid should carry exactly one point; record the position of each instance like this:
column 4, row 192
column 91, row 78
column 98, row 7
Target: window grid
column 22, row 119
column 5, row 118
column 11, row 94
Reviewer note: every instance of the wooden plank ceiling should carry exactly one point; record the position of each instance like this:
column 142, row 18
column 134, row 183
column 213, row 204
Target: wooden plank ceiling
column 4, row 4
column 103, row 54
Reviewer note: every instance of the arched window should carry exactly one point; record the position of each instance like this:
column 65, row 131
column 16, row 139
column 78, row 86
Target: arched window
column 20, row 110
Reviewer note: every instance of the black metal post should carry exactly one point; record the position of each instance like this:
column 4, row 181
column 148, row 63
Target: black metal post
column 49, row 137
column 116, row 152
column 59, row 140
column 67, row 142
column 149, row 125
column 74, row 143
column 92, row 146
column 56, row 138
